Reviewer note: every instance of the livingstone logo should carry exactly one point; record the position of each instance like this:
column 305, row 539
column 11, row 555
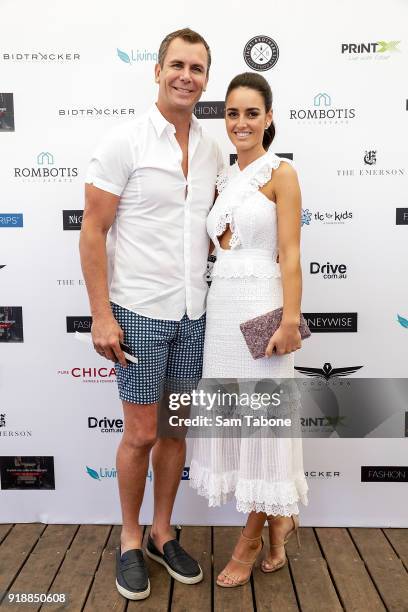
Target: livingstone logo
column 95, row 111
column 261, row 53
column 93, row 375
column 370, row 160
column 402, row 321
column 12, row 433
column 102, row 473
column 39, row 56
column 326, row 322
column 137, row 55
column 327, row 372
column 380, row 50
column 11, row 220
column 46, row 171
column 328, row 270
column 323, row 112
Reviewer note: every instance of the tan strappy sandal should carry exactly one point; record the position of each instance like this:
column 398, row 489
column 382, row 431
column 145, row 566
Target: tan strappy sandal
column 295, row 529
column 236, row 582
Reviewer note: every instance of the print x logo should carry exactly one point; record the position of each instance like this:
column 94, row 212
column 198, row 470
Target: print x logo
column 388, row 46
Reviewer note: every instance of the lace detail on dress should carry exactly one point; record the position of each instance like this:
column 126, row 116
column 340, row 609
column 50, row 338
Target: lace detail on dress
column 263, row 174
column 251, row 495
column 222, row 180
column 240, row 268
column 224, row 220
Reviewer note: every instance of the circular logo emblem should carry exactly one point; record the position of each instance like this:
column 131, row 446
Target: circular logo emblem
column 261, row 53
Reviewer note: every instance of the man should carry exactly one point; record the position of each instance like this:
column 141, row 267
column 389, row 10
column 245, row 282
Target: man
column 149, row 188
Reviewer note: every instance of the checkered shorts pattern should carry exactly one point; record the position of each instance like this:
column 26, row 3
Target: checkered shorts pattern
column 166, row 351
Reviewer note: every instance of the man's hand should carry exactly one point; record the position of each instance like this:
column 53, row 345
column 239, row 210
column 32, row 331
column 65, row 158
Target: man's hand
column 286, row 339
column 106, row 335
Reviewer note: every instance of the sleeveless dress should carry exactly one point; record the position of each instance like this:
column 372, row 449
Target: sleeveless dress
column 264, row 474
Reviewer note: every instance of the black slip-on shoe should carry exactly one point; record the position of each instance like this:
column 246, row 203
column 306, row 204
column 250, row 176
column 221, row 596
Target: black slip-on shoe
column 180, row 565
column 132, row 580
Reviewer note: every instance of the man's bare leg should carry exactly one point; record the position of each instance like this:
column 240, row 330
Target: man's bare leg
column 168, row 458
column 132, row 462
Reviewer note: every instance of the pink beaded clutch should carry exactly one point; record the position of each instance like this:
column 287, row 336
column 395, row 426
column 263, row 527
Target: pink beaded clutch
column 258, row 331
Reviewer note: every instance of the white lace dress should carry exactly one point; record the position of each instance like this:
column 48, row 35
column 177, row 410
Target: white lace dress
column 264, row 474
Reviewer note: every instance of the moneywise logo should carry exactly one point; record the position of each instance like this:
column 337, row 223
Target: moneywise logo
column 132, row 56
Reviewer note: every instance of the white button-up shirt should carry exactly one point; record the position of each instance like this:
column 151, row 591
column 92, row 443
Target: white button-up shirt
column 158, row 245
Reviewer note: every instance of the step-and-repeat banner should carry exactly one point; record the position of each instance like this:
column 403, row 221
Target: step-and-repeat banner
column 68, row 74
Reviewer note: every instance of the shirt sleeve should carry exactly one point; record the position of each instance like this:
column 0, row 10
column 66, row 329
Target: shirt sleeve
column 111, row 163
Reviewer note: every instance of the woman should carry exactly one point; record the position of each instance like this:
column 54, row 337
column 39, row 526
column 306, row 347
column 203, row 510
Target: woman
column 255, row 227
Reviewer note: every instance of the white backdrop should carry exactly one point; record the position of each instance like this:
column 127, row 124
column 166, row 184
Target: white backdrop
column 62, row 106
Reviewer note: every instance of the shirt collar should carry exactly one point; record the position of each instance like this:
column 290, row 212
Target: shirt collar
column 160, row 123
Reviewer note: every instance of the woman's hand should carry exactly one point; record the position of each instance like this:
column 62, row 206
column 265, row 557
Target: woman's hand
column 286, row 339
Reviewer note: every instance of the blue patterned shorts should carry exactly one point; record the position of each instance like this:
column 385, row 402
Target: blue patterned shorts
column 170, row 355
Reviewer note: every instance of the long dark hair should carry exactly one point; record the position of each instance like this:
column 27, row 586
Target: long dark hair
column 259, row 83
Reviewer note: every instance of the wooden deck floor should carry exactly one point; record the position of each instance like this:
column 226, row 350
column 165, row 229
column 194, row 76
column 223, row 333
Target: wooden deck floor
column 336, row 569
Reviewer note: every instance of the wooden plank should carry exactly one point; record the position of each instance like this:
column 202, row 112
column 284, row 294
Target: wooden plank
column 399, row 540
column 15, row 550
column 104, row 595
column 385, row 568
column 309, row 546
column 353, row 583
column 4, row 530
column 42, row 565
column 273, row 592
column 236, row 599
column 314, row 588
column 77, row 571
column 160, row 585
column 197, row 542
